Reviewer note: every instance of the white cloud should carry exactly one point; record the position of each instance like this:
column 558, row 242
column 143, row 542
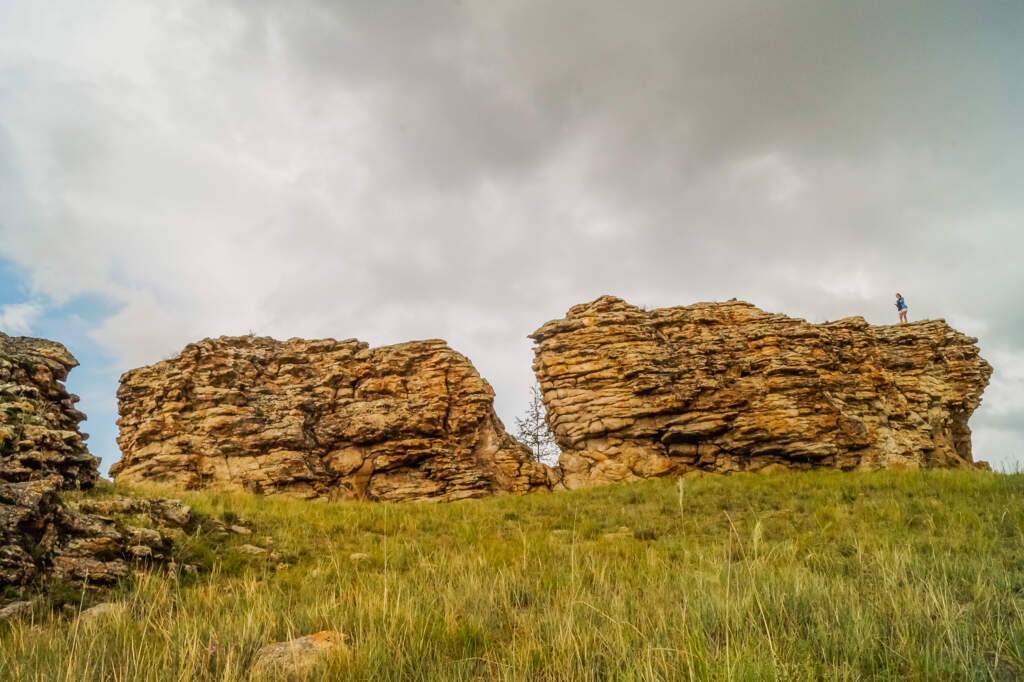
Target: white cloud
column 18, row 318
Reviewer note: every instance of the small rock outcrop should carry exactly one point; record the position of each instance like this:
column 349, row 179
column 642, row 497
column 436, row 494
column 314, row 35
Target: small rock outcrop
column 727, row 387
column 322, row 418
column 42, row 453
column 85, row 543
column 39, row 433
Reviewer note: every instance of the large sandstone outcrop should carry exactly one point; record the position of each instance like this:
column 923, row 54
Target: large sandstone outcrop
column 728, row 387
column 320, row 418
column 41, row 454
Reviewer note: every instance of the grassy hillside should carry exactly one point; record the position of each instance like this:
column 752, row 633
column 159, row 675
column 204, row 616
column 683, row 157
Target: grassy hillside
column 801, row 576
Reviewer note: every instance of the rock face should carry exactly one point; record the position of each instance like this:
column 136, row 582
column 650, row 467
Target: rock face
column 728, row 387
column 38, row 421
column 43, row 453
column 320, row 418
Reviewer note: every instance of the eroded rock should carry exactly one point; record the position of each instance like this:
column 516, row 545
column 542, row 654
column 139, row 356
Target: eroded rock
column 728, row 387
column 42, row 454
column 40, row 534
column 324, row 418
column 39, row 433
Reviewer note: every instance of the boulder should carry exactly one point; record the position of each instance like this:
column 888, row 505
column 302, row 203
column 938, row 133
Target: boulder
column 294, row 658
column 724, row 387
column 323, row 418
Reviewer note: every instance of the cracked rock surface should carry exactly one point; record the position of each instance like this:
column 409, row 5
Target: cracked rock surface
column 320, row 418
column 42, row 454
column 726, row 387
column 39, row 434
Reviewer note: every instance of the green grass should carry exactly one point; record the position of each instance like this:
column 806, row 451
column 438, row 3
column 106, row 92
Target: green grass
column 820, row 575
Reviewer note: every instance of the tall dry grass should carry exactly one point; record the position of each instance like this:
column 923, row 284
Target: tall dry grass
column 821, row 575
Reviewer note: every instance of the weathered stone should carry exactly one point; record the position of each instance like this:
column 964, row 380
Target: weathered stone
column 728, row 387
column 16, row 609
column 322, row 418
column 39, row 433
column 41, row 454
column 173, row 512
column 102, row 612
column 252, row 550
column 294, row 658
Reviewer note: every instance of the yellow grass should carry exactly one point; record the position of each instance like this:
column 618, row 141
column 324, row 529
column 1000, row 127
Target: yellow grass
column 821, row 575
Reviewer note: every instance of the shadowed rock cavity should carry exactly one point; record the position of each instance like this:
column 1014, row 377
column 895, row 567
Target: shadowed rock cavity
column 322, row 418
column 727, row 387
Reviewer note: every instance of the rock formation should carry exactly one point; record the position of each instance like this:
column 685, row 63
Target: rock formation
column 38, row 421
column 320, row 418
column 728, row 387
column 41, row 535
column 43, row 453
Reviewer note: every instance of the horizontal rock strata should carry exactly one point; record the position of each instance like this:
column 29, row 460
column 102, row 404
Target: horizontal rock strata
column 728, row 387
column 39, row 433
column 43, row 453
column 320, row 418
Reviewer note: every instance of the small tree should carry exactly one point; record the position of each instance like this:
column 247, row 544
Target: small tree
column 532, row 430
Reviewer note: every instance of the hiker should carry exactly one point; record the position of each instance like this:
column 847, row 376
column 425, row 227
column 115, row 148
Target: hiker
column 901, row 307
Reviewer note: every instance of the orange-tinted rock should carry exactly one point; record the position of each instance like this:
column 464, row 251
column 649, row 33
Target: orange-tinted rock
column 320, row 418
column 728, row 387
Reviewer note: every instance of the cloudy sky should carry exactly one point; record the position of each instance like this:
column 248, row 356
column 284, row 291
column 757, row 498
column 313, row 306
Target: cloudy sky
column 176, row 169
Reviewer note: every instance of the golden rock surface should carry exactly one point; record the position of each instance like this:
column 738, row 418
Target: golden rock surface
column 724, row 387
column 320, row 418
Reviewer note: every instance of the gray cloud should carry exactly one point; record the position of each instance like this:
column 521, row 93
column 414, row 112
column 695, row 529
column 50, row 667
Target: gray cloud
column 464, row 170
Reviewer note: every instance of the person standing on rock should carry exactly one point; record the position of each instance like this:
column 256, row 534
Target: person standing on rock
column 901, row 307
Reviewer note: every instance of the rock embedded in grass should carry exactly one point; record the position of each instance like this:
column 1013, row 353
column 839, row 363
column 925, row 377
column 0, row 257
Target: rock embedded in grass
column 294, row 658
column 16, row 609
column 252, row 550
column 101, row 612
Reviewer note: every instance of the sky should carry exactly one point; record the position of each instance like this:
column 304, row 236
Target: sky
column 177, row 169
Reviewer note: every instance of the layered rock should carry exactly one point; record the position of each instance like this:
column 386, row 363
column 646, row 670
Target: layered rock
column 39, row 433
column 83, row 543
column 43, row 453
column 728, row 387
column 320, row 418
